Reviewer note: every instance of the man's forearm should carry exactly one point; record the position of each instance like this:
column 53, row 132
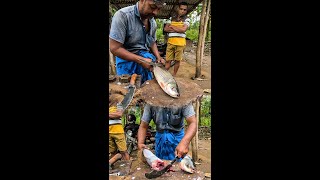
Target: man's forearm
column 142, row 132
column 125, row 54
column 154, row 50
column 115, row 115
column 191, row 131
column 168, row 29
column 179, row 29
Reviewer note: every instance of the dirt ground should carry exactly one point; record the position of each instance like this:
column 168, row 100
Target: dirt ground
column 188, row 69
column 203, row 166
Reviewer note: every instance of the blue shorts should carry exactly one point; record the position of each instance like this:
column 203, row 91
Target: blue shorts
column 130, row 67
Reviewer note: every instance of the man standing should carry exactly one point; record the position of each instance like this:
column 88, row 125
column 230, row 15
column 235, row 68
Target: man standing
column 171, row 140
column 133, row 37
column 176, row 28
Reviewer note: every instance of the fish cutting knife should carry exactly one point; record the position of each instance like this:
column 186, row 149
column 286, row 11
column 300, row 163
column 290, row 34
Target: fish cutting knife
column 131, row 89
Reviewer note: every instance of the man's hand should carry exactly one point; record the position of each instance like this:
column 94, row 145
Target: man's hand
column 182, row 149
column 142, row 146
column 141, row 157
column 116, row 115
column 161, row 60
column 145, row 65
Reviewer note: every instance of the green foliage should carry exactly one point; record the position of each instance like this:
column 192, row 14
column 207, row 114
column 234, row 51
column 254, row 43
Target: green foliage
column 112, row 10
column 160, row 36
column 192, row 34
column 159, row 32
column 205, row 113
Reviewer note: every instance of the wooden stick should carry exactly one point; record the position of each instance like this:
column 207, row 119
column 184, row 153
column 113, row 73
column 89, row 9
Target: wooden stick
column 195, row 139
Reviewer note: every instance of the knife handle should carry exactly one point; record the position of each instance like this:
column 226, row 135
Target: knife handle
column 174, row 160
column 133, row 79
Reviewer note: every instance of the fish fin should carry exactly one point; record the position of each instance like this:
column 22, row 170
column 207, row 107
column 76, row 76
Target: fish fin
column 177, row 87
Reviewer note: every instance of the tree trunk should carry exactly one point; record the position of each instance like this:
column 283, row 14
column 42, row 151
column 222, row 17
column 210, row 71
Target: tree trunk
column 209, row 28
column 199, row 124
column 200, row 39
column 205, row 27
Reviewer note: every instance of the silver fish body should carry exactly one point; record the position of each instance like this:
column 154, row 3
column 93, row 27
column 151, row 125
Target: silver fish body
column 155, row 162
column 166, row 81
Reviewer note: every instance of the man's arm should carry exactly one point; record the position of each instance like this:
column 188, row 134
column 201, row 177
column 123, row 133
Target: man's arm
column 155, row 51
column 144, row 125
column 116, row 115
column 142, row 132
column 183, row 147
column 117, row 49
column 117, row 37
column 168, row 28
column 179, row 29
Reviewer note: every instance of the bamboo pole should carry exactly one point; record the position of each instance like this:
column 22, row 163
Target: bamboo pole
column 205, row 29
column 200, row 39
column 200, row 99
column 195, row 139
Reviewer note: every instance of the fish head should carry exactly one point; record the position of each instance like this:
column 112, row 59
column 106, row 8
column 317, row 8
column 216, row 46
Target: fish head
column 187, row 164
column 172, row 90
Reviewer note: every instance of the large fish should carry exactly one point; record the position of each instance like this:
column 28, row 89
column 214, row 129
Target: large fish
column 155, row 162
column 164, row 79
column 187, row 164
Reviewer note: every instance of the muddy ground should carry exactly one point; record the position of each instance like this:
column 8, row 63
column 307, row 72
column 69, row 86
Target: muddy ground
column 188, row 69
